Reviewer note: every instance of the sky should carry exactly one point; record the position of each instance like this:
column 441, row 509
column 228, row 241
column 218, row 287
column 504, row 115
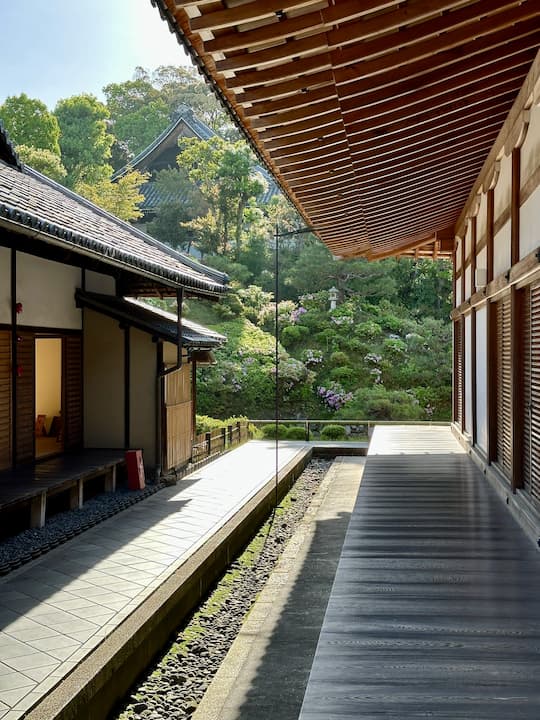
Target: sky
column 52, row 49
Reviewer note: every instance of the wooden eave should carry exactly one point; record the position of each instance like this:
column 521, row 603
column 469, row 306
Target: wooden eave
column 375, row 117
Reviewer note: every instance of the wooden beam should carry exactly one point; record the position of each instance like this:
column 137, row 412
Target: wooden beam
column 451, row 31
column 428, row 63
column 433, row 106
column 288, row 87
column 292, row 102
column 333, row 119
column 285, row 142
column 294, row 69
column 322, row 143
column 285, row 51
column 309, row 112
column 246, row 13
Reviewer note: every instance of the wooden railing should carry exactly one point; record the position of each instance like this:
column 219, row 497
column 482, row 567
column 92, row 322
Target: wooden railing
column 357, row 429
column 208, row 444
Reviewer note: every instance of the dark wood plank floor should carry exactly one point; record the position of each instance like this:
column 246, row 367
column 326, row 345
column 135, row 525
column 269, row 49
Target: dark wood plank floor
column 435, row 610
column 30, row 480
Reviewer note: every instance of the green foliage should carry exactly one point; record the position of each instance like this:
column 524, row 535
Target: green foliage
column 121, row 198
column 296, row 432
column 30, row 123
column 44, row 161
column 137, row 111
column 293, row 334
column 205, row 424
column 84, row 139
column 333, row 432
column 269, row 431
column 223, row 173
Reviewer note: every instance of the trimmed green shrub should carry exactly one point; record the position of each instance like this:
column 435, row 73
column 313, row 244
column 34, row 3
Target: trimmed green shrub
column 333, row 432
column 296, row 433
column 269, row 431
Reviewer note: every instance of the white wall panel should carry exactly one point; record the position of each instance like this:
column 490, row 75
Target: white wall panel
column 529, row 224
column 481, row 219
column 5, row 285
column 530, row 150
column 96, row 282
column 481, row 379
column 103, row 382
column 47, row 292
column 143, row 380
column 468, row 376
column 503, row 188
column 502, row 250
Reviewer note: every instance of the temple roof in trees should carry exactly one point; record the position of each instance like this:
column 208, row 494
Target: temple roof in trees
column 161, row 154
column 35, row 210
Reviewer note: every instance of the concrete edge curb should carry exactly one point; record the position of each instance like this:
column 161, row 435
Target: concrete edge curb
column 104, row 677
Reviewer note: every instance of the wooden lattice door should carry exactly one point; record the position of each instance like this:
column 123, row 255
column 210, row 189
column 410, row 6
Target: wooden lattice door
column 25, row 410
column 459, row 375
column 504, row 386
column 531, row 391
column 5, row 399
column 72, row 391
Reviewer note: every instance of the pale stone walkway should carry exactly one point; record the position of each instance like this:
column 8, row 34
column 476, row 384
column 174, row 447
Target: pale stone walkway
column 57, row 609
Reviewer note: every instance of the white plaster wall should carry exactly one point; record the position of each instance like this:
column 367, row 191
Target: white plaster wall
column 98, row 283
column 143, row 382
column 481, row 379
column 502, row 250
column 468, row 375
column 481, row 259
column 529, row 224
column 467, row 282
column 503, row 189
column 47, row 292
column 458, row 299
column 5, row 285
column 481, row 219
column 530, row 150
column 103, row 368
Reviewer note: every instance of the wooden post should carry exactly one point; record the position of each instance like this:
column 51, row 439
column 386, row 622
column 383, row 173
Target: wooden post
column 514, row 206
column 208, row 437
column 489, row 233
column 110, row 479
column 76, row 495
column 38, row 507
column 224, row 437
column 230, row 431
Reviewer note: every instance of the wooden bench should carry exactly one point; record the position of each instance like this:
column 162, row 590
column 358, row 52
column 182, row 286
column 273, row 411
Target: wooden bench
column 36, row 483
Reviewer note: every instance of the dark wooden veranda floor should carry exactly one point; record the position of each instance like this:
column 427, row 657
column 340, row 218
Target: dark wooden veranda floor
column 435, row 610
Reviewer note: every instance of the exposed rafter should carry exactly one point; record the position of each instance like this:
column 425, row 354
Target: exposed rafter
column 375, row 116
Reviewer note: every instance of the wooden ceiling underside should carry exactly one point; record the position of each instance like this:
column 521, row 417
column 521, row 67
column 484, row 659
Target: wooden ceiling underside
column 375, row 116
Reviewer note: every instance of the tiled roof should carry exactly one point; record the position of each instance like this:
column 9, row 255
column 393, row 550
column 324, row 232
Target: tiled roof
column 35, row 205
column 152, row 320
column 185, row 116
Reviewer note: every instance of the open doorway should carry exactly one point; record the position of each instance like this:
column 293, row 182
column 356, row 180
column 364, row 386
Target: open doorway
column 48, row 400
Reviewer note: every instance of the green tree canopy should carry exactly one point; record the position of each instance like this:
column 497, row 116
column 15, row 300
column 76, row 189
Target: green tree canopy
column 44, row 161
column 121, row 198
column 137, row 111
column 223, row 172
column 30, row 123
column 84, row 140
